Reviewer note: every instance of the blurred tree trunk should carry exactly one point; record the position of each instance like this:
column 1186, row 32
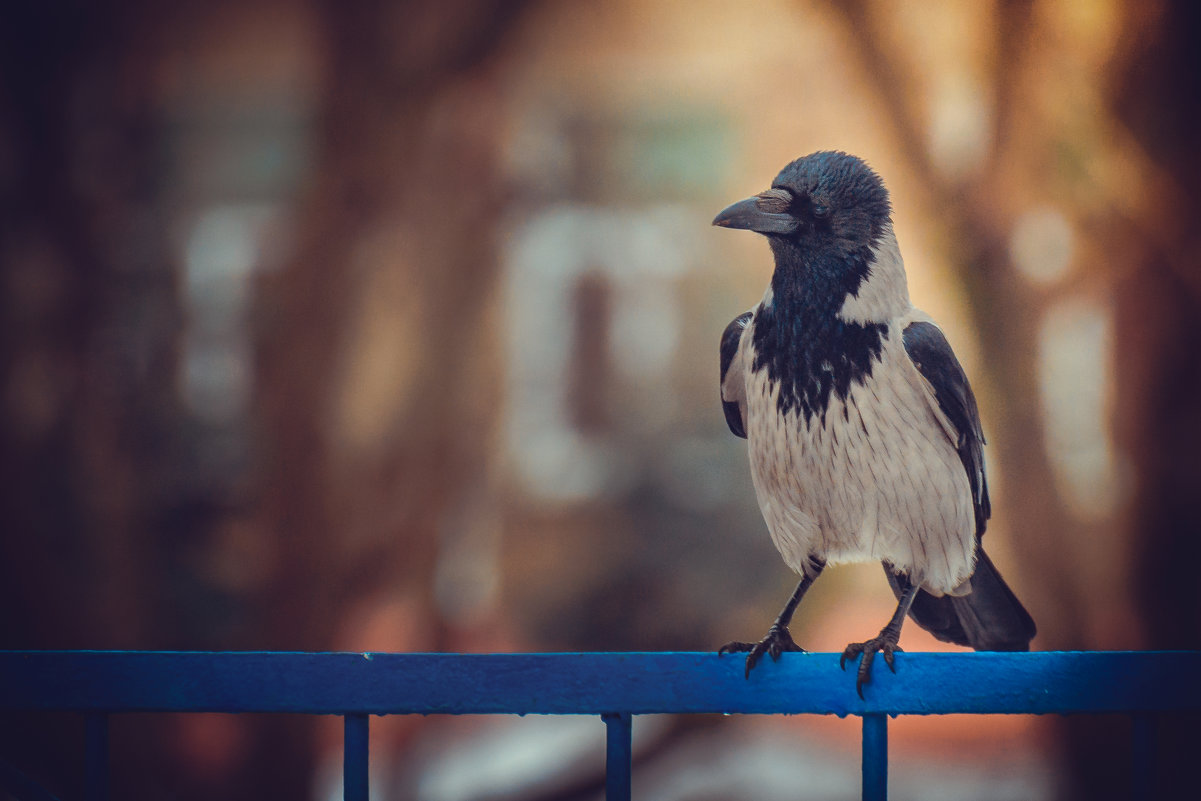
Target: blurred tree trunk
column 88, row 423
column 1158, row 336
column 378, row 360
column 89, row 337
column 378, row 349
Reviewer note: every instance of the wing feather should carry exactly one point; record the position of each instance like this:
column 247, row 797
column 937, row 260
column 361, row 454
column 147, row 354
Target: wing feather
column 930, row 352
column 733, row 374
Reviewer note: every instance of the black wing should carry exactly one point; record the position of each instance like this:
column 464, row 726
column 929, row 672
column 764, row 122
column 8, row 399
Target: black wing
column 932, row 354
column 990, row 617
column 733, row 391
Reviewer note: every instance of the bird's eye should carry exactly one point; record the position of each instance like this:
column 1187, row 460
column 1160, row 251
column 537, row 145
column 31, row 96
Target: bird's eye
column 821, row 212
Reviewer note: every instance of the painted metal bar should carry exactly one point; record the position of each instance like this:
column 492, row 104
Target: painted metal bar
column 95, row 767
column 639, row 683
column 875, row 757
column 1142, row 756
column 356, row 778
column 619, row 756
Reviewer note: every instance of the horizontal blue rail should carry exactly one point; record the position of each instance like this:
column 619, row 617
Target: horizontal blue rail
column 612, row 685
column 594, row 683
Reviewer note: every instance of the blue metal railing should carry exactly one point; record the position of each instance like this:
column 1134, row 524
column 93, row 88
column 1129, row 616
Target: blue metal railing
column 615, row 686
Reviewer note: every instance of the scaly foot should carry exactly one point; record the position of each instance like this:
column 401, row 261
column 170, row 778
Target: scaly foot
column 885, row 643
column 777, row 641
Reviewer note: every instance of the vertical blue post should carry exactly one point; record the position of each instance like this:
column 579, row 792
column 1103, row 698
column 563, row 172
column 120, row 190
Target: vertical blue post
column 95, row 765
column 619, row 752
column 875, row 757
column 354, row 759
column 1142, row 763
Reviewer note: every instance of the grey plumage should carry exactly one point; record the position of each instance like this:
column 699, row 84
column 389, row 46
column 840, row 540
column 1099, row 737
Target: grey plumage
column 864, row 437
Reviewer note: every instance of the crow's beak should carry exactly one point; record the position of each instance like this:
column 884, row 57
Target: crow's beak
column 765, row 213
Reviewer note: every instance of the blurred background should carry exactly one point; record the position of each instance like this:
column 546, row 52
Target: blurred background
column 393, row 326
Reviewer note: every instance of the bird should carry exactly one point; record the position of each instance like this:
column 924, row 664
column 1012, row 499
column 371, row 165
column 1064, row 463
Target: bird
column 863, row 434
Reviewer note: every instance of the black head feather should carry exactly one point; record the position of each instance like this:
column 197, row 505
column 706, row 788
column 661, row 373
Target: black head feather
column 842, row 211
column 841, row 207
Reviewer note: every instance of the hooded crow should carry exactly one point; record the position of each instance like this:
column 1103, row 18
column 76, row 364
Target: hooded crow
column 864, row 439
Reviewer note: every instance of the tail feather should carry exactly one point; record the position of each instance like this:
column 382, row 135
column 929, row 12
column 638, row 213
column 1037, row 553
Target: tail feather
column 989, row 618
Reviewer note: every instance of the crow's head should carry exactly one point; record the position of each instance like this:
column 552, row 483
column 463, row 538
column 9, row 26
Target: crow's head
column 827, row 205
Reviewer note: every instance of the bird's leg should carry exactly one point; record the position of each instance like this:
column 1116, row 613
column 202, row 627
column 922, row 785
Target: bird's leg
column 886, row 642
column 779, row 638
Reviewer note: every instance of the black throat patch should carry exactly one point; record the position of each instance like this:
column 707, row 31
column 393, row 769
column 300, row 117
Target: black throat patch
column 804, row 346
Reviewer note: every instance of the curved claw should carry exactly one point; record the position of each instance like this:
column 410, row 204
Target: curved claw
column 887, row 646
column 852, row 651
column 777, row 641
